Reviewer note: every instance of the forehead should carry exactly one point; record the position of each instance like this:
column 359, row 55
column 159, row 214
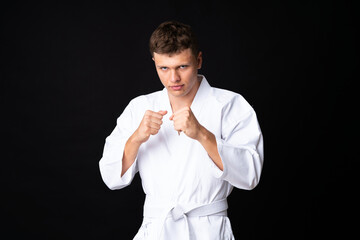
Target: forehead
column 182, row 57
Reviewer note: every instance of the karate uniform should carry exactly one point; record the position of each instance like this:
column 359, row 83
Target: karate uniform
column 185, row 191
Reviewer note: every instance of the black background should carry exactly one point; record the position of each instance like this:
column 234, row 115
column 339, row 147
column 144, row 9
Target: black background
column 69, row 69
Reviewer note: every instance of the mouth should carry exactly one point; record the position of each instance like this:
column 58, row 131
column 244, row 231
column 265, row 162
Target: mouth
column 177, row 87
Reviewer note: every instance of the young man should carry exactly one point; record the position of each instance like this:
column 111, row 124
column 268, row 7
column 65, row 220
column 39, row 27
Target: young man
column 190, row 142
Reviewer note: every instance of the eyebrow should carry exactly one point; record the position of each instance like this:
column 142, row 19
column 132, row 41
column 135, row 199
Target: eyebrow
column 177, row 66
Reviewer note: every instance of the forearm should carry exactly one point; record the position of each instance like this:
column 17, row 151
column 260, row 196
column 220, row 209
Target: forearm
column 150, row 125
column 130, row 152
column 208, row 141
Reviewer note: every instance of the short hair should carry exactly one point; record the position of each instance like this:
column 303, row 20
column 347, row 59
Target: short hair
column 172, row 37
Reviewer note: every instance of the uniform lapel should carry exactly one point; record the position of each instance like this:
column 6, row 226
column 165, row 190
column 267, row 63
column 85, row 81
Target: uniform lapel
column 200, row 97
column 179, row 146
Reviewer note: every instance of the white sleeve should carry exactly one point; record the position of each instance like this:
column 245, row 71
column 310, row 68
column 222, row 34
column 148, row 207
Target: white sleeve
column 240, row 146
column 111, row 161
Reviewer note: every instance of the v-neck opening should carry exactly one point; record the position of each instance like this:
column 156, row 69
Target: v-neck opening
column 197, row 102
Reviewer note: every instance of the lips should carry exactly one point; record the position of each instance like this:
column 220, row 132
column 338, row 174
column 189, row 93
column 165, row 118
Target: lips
column 177, row 87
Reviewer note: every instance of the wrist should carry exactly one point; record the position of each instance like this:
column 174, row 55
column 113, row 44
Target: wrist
column 135, row 139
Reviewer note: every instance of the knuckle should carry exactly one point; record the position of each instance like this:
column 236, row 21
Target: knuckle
column 154, row 131
column 148, row 112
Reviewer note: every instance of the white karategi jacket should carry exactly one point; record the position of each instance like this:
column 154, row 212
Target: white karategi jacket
column 185, row 191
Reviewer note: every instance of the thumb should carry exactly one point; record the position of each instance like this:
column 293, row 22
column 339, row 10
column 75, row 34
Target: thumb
column 162, row 112
column 171, row 117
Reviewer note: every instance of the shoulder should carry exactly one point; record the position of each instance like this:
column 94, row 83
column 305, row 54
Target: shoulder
column 138, row 105
column 230, row 100
column 144, row 101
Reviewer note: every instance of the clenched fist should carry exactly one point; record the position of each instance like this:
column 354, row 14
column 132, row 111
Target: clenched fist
column 185, row 121
column 150, row 125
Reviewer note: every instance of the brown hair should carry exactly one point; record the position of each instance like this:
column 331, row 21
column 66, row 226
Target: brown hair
column 172, row 37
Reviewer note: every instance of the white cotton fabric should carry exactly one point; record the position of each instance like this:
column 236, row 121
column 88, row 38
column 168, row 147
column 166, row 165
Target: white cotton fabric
column 177, row 171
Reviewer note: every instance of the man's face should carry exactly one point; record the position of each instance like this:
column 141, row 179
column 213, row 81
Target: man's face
column 178, row 72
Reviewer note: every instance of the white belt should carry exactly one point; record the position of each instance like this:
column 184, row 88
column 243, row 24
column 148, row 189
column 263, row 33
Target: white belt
column 177, row 211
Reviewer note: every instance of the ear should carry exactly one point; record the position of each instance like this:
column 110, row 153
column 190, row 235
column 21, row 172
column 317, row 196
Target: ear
column 153, row 59
column 199, row 60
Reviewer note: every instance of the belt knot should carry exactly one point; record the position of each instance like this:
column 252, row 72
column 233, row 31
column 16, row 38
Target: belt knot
column 177, row 213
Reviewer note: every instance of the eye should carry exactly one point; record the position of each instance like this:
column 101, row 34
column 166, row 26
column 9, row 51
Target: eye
column 183, row 66
column 163, row 68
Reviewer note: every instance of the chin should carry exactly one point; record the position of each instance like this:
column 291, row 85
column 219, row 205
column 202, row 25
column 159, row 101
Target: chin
column 177, row 93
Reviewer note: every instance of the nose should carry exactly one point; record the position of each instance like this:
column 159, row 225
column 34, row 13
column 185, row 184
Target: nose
column 174, row 76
